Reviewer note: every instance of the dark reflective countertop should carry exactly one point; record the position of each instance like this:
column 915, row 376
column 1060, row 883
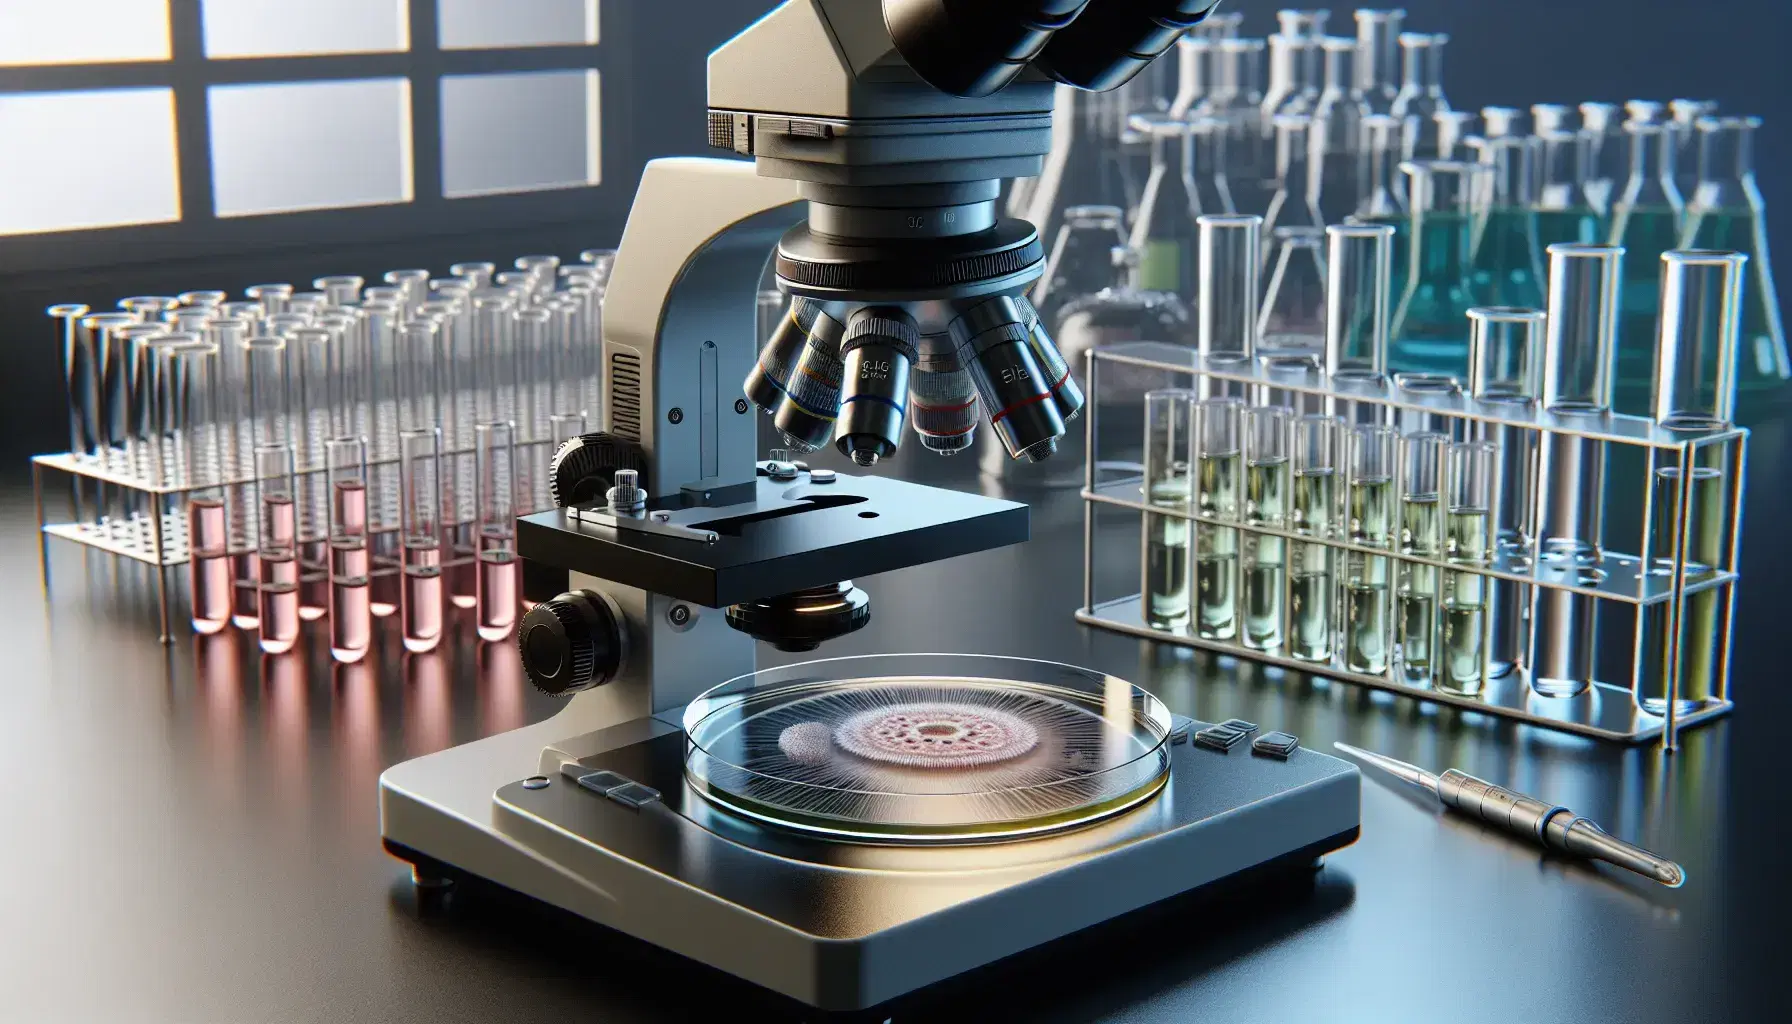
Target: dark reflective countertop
column 192, row 831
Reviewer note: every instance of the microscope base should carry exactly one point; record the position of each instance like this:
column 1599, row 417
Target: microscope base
column 840, row 926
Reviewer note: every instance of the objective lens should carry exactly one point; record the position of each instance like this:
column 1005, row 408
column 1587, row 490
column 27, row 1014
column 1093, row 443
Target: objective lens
column 765, row 383
column 942, row 401
column 1067, row 395
column 812, row 392
column 876, row 356
column 994, row 345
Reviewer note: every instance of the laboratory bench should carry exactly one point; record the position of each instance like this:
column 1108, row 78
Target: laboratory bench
column 192, row 831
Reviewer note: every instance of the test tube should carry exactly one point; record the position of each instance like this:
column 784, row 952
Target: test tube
column 148, row 309
column 383, row 293
column 535, row 358
column 278, row 587
column 495, row 456
column 1505, row 346
column 272, row 297
column 1359, row 273
column 1695, row 391
column 202, row 470
column 419, row 384
column 1217, row 500
column 80, row 379
column 307, row 304
column 1428, row 387
column 1369, row 523
column 565, row 355
column 1169, row 436
column 340, row 289
column 1579, row 347
column 419, row 488
column 351, row 612
column 1463, row 662
column 1421, row 533
column 414, row 282
column 541, row 270
column 318, row 386
column 1266, row 494
column 1231, row 259
column 562, row 427
column 1314, row 513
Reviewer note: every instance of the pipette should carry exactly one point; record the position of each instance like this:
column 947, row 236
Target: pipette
column 1552, row 825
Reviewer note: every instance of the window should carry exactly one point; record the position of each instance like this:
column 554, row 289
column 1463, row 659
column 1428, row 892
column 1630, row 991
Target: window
column 87, row 160
column 219, row 114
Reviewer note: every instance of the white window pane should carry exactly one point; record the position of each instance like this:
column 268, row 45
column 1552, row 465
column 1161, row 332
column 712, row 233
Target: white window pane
column 87, row 160
column 479, row 24
column 82, row 31
column 519, row 132
column 276, row 28
column 310, row 145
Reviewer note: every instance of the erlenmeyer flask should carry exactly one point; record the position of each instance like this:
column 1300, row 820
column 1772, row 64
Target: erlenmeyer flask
column 1378, row 58
column 1194, row 76
column 1506, row 268
column 1292, row 322
column 1308, row 27
column 1726, row 212
column 1235, row 102
column 1430, row 329
column 1296, row 200
column 1204, row 166
column 1421, row 83
column 1163, row 232
column 1449, row 135
column 1603, row 165
column 1685, row 116
column 1083, row 167
column 1381, row 159
column 1081, row 258
column 1564, row 213
column 1646, row 220
column 1338, row 132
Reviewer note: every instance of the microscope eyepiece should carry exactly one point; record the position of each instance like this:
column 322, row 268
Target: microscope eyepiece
column 995, row 346
column 876, row 356
column 974, row 49
column 1112, row 41
column 812, row 392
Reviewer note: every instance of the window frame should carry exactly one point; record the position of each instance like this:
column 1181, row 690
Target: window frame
column 201, row 233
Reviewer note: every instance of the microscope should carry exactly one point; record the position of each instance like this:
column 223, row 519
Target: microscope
column 909, row 838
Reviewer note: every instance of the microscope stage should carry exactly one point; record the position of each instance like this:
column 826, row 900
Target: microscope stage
column 777, row 536
column 846, row 926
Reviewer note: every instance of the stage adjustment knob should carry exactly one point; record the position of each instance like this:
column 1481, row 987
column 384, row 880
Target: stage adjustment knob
column 570, row 643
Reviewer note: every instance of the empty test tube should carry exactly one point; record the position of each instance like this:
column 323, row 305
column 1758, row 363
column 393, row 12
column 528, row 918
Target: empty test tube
column 1266, row 494
column 340, row 289
column 1505, row 347
column 202, row 460
column 1695, row 391
column 1421, row 533
column 1169, row 484
column 1230, row 258
column 276, row 549
column 1218, row 465
column 1313, row 512
column 351, row 612
column 272, row 297
column 419, row 488
column 80, row 378
column 1431, row 389
column 494, row 452
column 1579, row 349
column 1369, row 522
column 414, row 282
column 148, row 309
column 1463, row 662
column 1359, row 273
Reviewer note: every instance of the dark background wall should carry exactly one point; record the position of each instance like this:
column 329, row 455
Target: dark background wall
column 1509, row 52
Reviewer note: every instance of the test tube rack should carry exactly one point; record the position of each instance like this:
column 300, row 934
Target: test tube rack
column 1620, row 583
column 115, row 508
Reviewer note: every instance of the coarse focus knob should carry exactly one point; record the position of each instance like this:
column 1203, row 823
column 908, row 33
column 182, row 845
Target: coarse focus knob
column 569, row 643
column 585, row 467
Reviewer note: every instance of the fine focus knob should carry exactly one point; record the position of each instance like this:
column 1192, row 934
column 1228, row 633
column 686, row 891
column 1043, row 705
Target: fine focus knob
column 570, row 643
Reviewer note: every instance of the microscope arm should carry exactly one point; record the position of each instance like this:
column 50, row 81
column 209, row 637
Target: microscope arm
column 679, row 316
